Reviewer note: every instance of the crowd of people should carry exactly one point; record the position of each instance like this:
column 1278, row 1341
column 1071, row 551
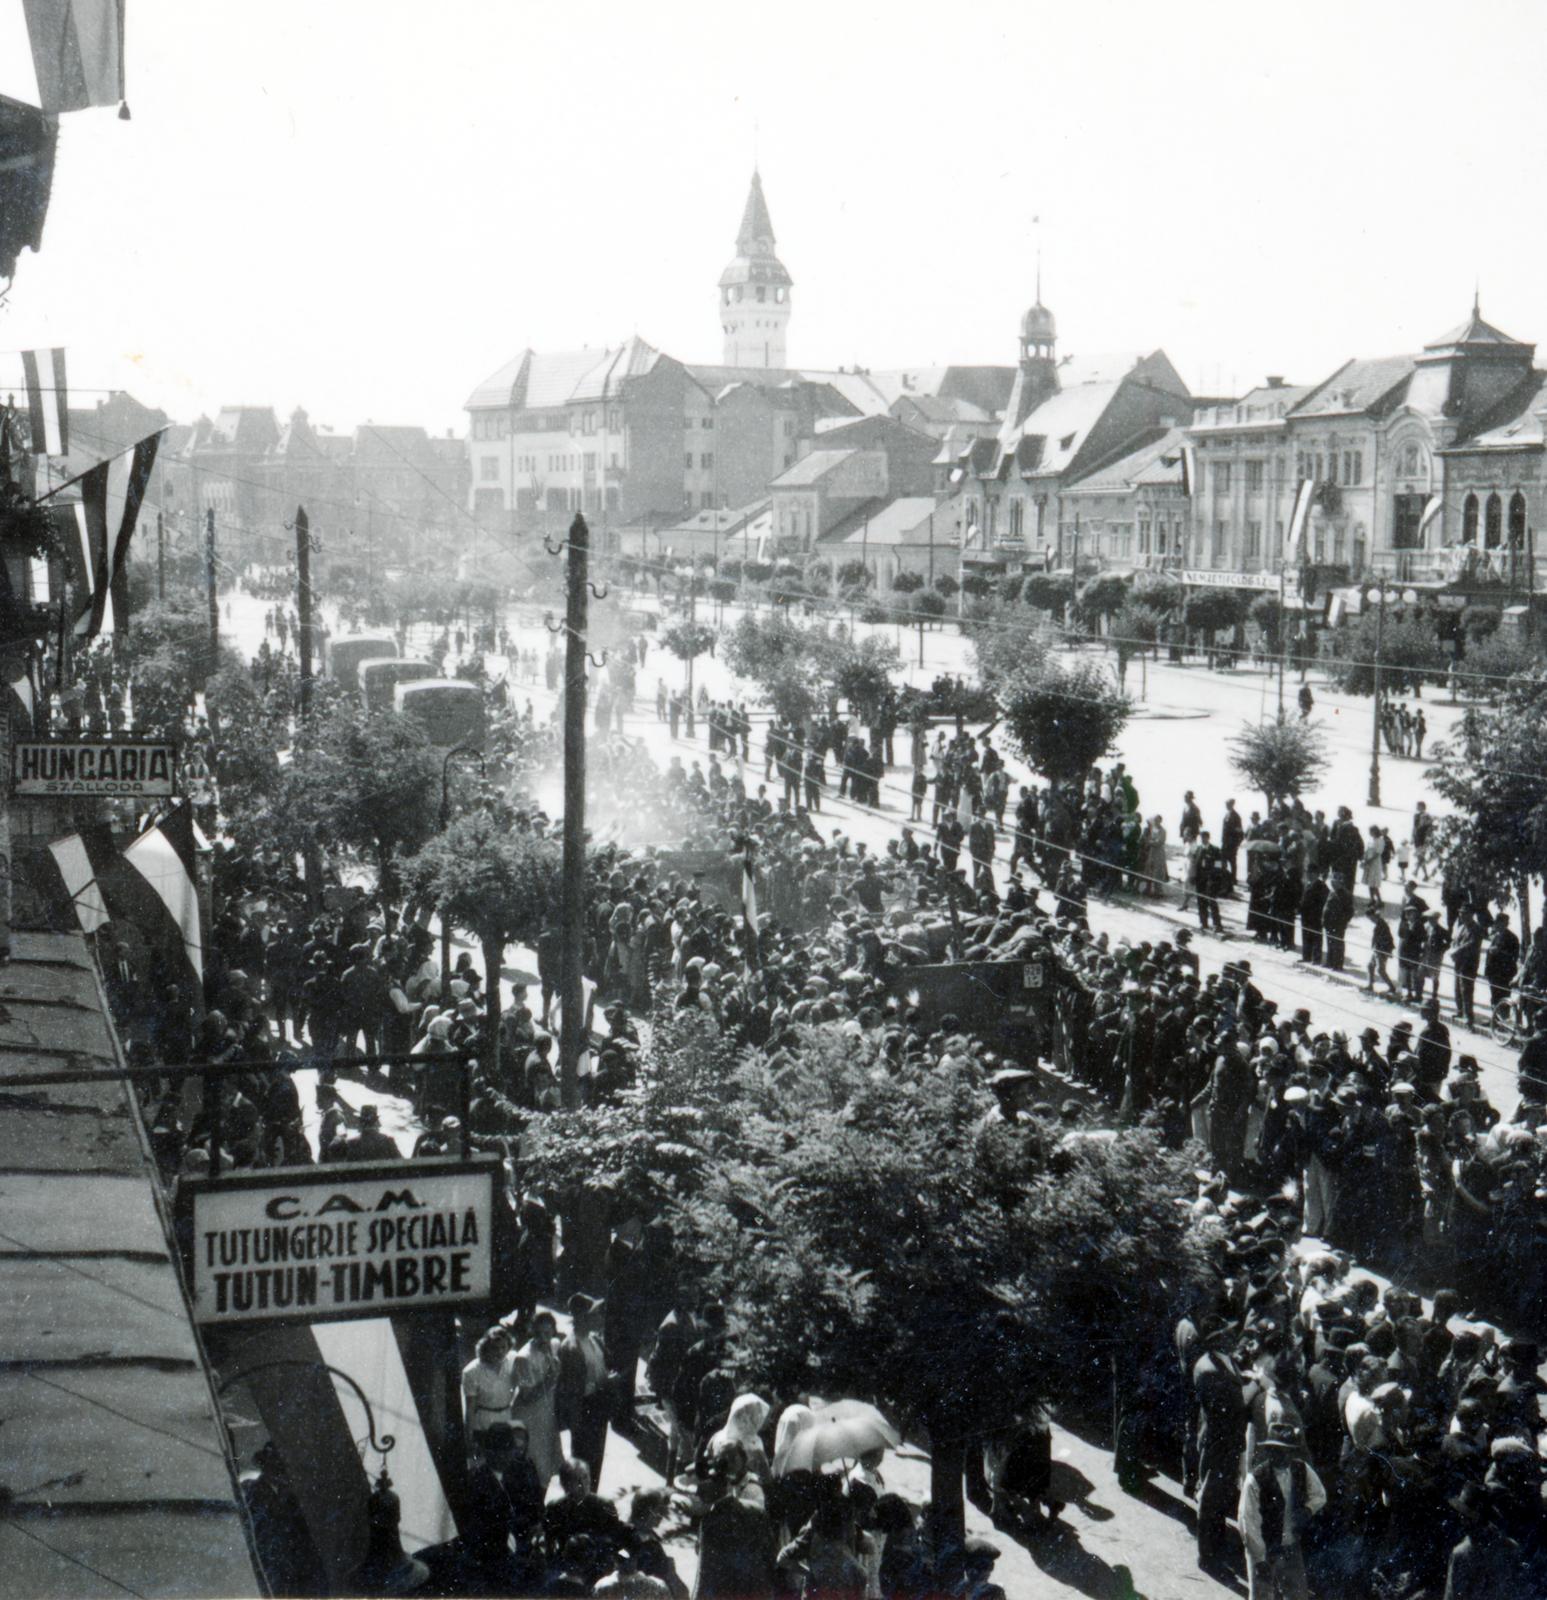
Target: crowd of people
column 1338, row 1427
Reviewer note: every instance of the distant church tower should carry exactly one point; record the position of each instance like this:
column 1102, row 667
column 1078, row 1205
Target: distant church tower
column 1038, row 364
column 755, row 291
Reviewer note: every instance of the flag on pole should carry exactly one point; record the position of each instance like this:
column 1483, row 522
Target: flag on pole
column 80, row 858
column 749, row 907
column 164, row 857
column 1294, row 548
column 48, row 407
column 77, row 51
column 1189, row 470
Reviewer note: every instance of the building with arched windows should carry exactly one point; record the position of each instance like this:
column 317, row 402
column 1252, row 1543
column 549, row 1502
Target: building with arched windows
column 1424, row 467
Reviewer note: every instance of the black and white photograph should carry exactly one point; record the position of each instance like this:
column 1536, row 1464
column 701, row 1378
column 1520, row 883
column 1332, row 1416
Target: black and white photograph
column 773, row 800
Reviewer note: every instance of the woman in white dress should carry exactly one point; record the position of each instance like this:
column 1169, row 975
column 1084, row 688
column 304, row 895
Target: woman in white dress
column 487, row 1384
column 536, row 1376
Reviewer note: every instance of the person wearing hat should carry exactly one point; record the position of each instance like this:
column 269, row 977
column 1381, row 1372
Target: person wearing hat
column 370, row 1143
column 1279, row 1496
column 1220, row 1392
column 585, row 1398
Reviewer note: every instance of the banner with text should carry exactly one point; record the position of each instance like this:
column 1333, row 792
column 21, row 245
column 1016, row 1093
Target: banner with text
column 316, row 1244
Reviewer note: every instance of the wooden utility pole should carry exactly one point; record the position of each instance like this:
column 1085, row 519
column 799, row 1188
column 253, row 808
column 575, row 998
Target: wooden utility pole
column 571, row 987
column 214, row 596
column 303, row 602
column 161, row 557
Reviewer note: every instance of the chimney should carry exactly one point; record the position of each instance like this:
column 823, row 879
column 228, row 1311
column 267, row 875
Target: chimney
column 1275, row 380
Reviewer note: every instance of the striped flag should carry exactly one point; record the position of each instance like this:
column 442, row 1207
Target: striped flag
column 164, row 857
column 111, row 495
column 81, row 857
column 1294, row 546
column 48, row 406
column 1189, row 470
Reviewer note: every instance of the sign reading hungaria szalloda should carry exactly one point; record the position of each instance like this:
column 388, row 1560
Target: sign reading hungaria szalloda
column 93, row 767
column 319, row 1243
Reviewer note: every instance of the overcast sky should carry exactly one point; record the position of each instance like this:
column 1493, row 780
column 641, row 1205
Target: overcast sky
column 365, row 206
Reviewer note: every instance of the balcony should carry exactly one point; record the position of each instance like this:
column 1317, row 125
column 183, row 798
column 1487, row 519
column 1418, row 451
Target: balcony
column 1460, row 567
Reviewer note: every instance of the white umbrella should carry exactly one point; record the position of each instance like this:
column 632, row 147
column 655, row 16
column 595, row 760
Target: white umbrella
column 842, row 1431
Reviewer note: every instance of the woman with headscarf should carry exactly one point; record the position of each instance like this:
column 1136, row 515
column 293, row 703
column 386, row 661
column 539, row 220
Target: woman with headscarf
column 743, row 1425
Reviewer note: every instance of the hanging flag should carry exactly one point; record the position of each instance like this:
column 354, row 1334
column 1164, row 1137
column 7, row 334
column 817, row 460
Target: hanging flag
column 164, row 857
column 1294, row 546
column 81, row 857
column 48, row 406
column 111, row 494
column 22, row 699
column 1189, row 470
column 749, row 908
column 1432, row 508
column 77, row 51
column 142, row 460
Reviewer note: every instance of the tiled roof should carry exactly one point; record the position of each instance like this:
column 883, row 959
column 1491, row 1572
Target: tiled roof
column 1062, row 422
column 936, row 408
column 1357, row 386
column 538, row 379
column 1474, row 331
column 811, row 468
column 1515, row 425
column 1157, row 459
column 904, row 520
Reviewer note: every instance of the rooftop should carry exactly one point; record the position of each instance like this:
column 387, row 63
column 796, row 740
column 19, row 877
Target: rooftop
column 1357, row 386
column 812, row 468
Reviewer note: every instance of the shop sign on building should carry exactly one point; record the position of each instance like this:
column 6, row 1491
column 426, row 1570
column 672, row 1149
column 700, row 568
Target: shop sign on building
column 320, row 1243
column 1208, row 578
column 137, row 767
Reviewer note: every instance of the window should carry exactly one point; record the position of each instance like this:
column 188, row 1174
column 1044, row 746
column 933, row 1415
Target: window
column 1356, row 469
column 706, row 422
column 1517, row 521
column 1221, row 477
column 590, row 461
column 1219, row 544
column 706, row 460
column 489, row 469
column 1254, row 476
column 1253, row 550
column 1017, row 518
column 614, row 419
column 612, row 461
column 1469, row 520
column 687, row 460
column 1144, row 534
column 762, row 294
column 1338, row 548
column 779, row 295
column 1495, row 530
column 1067, row 442
column 789, row 427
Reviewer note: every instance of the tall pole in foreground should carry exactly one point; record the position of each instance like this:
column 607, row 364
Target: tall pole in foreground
column 161, row 557
column 1283, row 638
column 571, row 989
column 1380, row 630
column 214, row 596
column 303, row 602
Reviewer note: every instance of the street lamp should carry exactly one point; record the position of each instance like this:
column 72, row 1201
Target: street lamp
column 445, row 817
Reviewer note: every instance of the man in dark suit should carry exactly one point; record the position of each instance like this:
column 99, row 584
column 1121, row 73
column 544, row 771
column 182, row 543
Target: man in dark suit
column 1231, row 832
column 1312, row 905
column 1336, row 914
column 585, row 1392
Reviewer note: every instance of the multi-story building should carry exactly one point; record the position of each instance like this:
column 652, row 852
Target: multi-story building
column 1131, row 512
column 641, row 440
column 820, row 491
column 1403, row 456
column 1062, row 419
column 1244, row 493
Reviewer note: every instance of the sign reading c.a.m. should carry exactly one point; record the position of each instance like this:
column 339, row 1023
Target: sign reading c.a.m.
column 319, row 1243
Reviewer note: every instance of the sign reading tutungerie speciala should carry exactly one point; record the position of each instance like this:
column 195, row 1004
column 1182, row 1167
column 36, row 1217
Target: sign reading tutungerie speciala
column 137, row 767
column 315, row 1244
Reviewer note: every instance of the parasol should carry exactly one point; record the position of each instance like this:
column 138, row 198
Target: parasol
column 842, row 1431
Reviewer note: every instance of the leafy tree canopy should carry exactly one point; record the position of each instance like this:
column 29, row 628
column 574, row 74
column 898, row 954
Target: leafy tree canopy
column 1283, row 758
column 1062, row 720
